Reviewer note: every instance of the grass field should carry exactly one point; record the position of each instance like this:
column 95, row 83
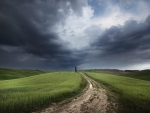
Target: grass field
column 6, row 74
column 133, row 92
column 28, row 93
column 143, row 75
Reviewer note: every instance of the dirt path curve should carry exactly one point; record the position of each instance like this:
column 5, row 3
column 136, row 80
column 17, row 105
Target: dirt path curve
column 93, row 100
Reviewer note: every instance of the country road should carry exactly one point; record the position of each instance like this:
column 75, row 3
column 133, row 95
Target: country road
column 93, row 100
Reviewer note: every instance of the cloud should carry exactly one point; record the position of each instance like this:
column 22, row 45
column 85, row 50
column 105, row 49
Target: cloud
column 60, row 34
column 77, row 24
column 115, row 12
column 132, row 35
column 27, row 36
column 126, row 45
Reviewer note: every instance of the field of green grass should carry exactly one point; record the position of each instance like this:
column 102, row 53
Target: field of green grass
column 133, row 92
column 6, row 74
column 143, row 75
column 33, row 92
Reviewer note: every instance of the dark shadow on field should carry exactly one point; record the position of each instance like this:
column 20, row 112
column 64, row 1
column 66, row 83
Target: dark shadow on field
column 136, row 74
column 143, row 75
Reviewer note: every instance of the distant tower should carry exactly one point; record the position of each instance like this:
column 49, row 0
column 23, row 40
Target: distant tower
column 75, row 69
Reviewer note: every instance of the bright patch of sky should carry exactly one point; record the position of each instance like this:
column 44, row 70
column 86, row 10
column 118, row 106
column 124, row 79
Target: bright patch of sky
column 102, row 14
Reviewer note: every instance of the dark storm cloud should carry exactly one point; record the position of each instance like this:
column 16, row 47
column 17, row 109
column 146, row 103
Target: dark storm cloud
column 121, row 46
column 27, row 26
column 121, row 39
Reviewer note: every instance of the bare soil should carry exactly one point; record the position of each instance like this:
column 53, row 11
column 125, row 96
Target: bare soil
column 93, row 100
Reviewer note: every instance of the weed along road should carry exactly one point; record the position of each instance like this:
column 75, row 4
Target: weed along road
column 93, row 100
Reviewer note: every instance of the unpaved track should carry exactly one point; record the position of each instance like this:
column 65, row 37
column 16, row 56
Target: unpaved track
column 93, row 100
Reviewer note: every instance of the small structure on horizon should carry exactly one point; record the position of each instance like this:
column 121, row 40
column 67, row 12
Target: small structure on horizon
column 75, row 69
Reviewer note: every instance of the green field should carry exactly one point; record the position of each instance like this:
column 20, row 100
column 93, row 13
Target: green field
column 33, row 92
column 6, row 74
column 143, row 75
column 132, row 89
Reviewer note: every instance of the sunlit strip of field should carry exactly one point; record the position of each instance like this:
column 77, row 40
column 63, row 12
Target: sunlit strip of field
column 134, row 93
column 26, row 94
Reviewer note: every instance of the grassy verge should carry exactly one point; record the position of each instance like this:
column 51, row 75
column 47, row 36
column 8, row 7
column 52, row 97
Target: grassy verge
column 31, row 93
column 7, row 74
column 133, row 93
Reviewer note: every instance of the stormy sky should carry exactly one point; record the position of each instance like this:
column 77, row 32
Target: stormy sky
column 62, row 34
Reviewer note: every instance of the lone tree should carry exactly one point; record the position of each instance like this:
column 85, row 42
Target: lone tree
column 75, row 69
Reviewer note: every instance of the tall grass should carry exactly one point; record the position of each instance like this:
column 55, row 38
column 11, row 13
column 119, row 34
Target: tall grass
column 26, row 94
column 134, row 93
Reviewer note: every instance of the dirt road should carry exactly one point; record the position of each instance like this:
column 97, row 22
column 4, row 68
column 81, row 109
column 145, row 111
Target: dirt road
column 93, row 100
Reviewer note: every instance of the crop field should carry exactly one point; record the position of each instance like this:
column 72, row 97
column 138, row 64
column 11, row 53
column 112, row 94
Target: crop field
column 132, row 89
column 33, row 92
